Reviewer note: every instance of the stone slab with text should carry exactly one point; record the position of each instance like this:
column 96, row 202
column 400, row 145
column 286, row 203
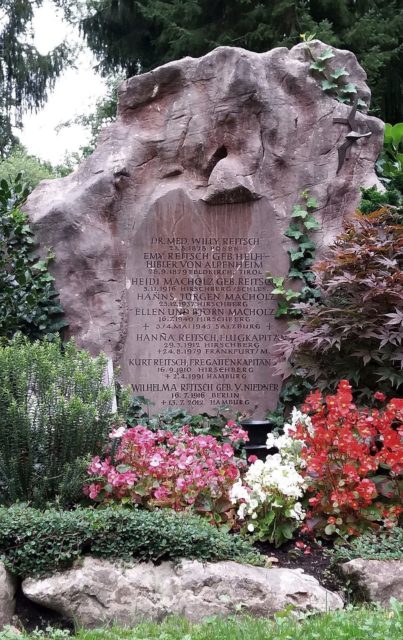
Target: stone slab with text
column 164, row 236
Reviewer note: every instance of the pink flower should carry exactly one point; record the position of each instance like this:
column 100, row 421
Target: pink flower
column 156, row 460
column 161, row 493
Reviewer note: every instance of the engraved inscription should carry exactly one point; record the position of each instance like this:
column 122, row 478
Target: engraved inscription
column 201, row 324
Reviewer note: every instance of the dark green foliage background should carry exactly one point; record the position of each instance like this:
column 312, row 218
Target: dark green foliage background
column 29, row 302
column 36, row 542
column 131, row 36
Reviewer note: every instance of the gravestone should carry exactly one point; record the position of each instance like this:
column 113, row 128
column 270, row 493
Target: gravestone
column 164, row 236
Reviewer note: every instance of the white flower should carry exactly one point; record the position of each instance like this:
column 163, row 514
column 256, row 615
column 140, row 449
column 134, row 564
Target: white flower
column 117, row 433
column 251, row 528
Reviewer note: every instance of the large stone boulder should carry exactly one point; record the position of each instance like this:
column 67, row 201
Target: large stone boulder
column 7, row 594
column 376, row 580
column 164, row 236
column 100, row 591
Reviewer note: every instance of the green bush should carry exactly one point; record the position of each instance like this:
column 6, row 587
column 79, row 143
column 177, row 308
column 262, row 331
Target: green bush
column 384, row 545
column 29, row 301
column 54, row 409
column 35, row 542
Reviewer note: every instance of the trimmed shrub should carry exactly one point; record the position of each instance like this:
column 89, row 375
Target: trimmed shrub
column 383, row 545
column 54, row 409
column 35, row 542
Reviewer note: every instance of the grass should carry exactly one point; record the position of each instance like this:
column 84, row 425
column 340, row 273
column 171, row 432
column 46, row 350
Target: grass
column 351, row 624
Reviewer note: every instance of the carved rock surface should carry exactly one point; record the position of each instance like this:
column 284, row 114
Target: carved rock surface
column 217, row 147
column 377, row 580
column 7, row 593
column 101, row 591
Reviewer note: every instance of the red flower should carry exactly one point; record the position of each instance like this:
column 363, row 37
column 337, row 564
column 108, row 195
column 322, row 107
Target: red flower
column 378, row 395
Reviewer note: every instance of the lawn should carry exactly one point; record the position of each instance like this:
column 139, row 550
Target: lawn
column 358, row 623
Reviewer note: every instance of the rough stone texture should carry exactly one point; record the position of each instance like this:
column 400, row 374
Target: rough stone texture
column 102, row 592
column 376, row 580
column 217, row 147
column 7, row 593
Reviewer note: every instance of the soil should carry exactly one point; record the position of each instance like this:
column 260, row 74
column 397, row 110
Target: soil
column 30, row 616
column 312, row 559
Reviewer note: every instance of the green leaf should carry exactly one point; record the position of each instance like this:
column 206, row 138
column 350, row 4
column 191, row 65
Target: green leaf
column 326, row 55
column 348, row 88
column 299, row 212
column 388, row 135
column 307, row 246
column 312, row 203
column 343, row 99
column 397, row 133
column 278, row 281
column 318, row 65
column 295, row 255
column 290, row 294
column 311, row 224
column 338, row 73
column 282, row 310
column 328, row 85
column 293, row 232
column 295, row 273
column 330, row 529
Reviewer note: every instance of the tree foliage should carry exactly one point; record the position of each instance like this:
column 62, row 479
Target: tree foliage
column 32, row 169
column 131, row 36
column 25, row 74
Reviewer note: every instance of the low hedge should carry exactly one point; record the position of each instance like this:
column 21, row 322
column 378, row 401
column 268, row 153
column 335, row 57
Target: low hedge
column 36, row 542
column 383, row 545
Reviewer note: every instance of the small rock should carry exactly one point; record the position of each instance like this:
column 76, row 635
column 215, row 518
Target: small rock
column 377, row 580
column 100, row 591
column 7, row 593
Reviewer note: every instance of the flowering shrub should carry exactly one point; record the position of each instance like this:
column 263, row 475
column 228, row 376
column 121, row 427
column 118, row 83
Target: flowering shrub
column 353, row 458
column 162, row 469
column 268, row 497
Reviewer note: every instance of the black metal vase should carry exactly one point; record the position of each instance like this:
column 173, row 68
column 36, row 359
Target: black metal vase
column 257, row 431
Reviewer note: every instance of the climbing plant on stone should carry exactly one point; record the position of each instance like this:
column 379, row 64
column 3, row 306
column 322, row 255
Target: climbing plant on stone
column 301, row 259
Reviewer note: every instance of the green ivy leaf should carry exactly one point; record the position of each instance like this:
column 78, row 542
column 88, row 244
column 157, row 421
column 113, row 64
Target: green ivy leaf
column 343, row 99
column 328, row 85
column 299, row 212
column 295, row 255
column 326, row 54
column 338, row 73
column 312, row 203
column 311, row 224
column 293, row 232
column 296, row 273
column 282, row 310
column 348, row 88
column 290, row 294
column 318, row 65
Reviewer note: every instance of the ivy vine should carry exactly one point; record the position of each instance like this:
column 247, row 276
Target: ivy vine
column 333, row 81
column 29, row 302
column 302, row 257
